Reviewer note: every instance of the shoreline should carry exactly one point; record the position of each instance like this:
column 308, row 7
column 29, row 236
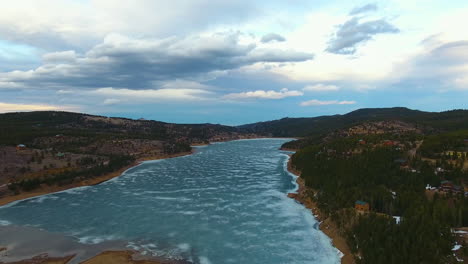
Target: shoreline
column 326, row 225
column 88, row 182
column 124, row 255
column 108, row 256
column 100, row 179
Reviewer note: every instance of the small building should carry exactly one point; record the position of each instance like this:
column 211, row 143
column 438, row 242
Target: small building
column 60, row 155
column 446, row 186
column 21, row 147
column 449, row 187
column 361, row 206
column 362, row 142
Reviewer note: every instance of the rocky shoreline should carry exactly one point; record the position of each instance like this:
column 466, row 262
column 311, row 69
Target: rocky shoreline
column 327, row 226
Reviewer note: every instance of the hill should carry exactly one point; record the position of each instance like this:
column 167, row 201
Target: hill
column 48, row 150
column 22, row 128
column 313, row 126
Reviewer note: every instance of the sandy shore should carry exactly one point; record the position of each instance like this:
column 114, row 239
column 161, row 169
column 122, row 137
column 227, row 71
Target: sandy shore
column 327, row 226
column 88, row 182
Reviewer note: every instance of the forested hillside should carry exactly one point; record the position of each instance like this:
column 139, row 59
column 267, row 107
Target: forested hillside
column 44, row 149
column 413, row 176
column 313, row 126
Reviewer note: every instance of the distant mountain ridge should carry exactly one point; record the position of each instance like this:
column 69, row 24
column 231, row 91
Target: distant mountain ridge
column 302, row 127
column 24, row 126
column 15, row 127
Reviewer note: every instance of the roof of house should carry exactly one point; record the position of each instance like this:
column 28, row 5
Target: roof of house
column 21, row 145
column 361, row 202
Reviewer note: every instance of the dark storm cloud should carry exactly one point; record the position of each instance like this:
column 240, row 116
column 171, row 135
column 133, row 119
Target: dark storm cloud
column 139, row 63
column 363, row 9
column 353, row 32
column 272, row 37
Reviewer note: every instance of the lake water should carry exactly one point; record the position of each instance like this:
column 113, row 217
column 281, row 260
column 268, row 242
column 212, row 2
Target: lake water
column 226, row 203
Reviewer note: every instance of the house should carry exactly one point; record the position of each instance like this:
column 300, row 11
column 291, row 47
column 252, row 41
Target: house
column 446, row 186
column 362, row 142
column 449, row 187
column 361, row 206
column 21, row 147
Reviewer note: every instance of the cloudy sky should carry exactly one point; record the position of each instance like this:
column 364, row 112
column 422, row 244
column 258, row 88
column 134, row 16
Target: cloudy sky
column 232, row 61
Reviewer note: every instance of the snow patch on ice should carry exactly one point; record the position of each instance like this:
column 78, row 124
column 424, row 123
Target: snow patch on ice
column 184, row 247
column 95, row 239
column 204, row 260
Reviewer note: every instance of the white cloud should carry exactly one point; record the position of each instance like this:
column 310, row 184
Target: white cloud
column 321, row 88
column 461, row 83
column 111, row 101
column 262, row 94
column 7, row 107
column 315, row 102
column 152, row 94
column 65, row 92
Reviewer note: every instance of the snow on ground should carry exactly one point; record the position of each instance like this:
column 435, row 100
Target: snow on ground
column 456, row 247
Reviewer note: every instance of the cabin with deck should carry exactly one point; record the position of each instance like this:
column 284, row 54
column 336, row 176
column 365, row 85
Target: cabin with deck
column 21, row 147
